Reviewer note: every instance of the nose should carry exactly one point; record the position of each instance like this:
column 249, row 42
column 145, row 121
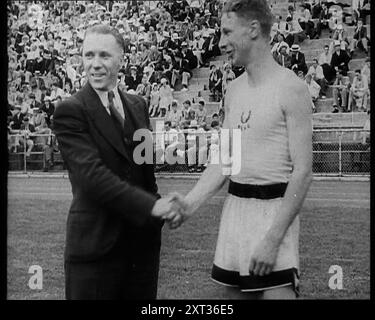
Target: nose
column 96, row 62
column 222, row 43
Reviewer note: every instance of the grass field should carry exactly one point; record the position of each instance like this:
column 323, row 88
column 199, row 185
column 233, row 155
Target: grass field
column 335, row 230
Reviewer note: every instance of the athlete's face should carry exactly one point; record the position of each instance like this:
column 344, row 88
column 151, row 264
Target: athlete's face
column 235, row 40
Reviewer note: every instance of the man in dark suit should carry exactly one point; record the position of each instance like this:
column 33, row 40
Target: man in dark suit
column 340, row 59
column 298, row 61
column 114, row 223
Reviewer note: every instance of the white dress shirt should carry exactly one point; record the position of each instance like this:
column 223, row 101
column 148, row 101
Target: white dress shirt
column 103, row 95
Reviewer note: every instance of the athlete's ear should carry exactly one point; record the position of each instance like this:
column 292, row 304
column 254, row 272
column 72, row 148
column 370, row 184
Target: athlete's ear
column 254, row 29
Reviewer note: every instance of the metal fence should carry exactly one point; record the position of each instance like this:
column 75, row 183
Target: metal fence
column 336, row 152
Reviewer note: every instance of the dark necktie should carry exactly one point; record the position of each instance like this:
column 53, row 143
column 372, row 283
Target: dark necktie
column 114, row 113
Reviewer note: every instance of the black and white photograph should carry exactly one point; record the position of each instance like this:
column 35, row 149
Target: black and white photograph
column 188, row 150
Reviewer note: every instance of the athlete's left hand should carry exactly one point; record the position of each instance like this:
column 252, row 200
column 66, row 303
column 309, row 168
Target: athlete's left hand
column 264, row 257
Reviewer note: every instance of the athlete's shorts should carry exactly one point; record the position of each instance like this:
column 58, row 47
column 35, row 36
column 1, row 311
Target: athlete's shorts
column 245, row 220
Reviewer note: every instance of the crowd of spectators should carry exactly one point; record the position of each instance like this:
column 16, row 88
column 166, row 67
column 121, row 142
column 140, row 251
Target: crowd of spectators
column 164, row 42
column 331, row 65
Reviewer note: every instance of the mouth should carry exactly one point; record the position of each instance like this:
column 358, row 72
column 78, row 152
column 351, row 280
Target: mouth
column 98, row 76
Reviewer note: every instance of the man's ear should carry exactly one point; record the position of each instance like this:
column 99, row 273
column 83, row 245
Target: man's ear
column 254, row 29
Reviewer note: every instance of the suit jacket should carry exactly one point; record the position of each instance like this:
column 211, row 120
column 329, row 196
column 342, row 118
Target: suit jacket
column 337, row 60
column 112, row 196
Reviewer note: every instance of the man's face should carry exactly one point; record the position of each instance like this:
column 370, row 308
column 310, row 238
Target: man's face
column 234, row 39
column 102, row 60
column 360, row 23
column 326, row 49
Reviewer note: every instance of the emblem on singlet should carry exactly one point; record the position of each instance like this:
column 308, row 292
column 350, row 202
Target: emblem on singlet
column 244, row 121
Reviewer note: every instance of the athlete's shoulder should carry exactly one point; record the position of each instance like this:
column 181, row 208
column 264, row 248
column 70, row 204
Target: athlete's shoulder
column 291, row 82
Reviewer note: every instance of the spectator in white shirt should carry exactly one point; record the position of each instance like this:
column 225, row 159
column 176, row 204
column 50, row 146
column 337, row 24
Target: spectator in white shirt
column 325, row 62
column 313, row 87
column 317, row 74
column 359, row 92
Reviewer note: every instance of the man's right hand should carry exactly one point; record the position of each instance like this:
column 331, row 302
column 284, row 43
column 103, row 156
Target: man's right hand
column 168, row 205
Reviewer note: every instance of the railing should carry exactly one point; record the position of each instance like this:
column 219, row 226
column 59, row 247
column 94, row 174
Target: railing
column 336, row 152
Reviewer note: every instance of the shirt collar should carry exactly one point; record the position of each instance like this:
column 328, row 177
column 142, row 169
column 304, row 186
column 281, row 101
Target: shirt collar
column 103, row 95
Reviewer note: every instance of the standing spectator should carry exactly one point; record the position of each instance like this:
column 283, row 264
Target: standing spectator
column 154, row 100
column 317, row 74
column 215, row 82
column 166, row 96
column 313, row 87
column 298, row 62
column 340, row 59
column 340, row 93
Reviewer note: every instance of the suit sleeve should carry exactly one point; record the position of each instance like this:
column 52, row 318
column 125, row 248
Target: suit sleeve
column 91, row 174
column 149, row 169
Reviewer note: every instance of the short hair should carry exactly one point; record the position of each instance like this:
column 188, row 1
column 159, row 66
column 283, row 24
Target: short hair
column 358, row 70
column 104, row 29
column 168, row 123
column 252, row 9
column 187, row 102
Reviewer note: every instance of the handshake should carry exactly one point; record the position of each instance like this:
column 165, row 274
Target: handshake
column 173, row 208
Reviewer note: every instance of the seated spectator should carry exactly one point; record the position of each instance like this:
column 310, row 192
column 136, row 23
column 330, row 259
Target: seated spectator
column 201, row 113
column 173, row 143
column 323, row 22
column 340, row 59
column 366, row 70
column 297, row 62
column 313, row 87
column 27, row 131
column 188, row 55
column 182, row 71
column 185, row 114
column 294, row 32
column 340, row 93
column 144, row 89
column 214, row 143
column 306, row 23
column 174, row 116
column 317, row 74
column 166, row 97
column 341, row 35
column 325, row 62
column 360, row 39
column 197, row 48
column 215, row 82
column 154, row 100
column 49, row 108
column 359, row 93
column 282, row 57
column 278, row 44
column 133, row 80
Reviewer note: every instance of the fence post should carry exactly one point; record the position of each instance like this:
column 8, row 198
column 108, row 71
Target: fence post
column 24, row 154
column 340, row 153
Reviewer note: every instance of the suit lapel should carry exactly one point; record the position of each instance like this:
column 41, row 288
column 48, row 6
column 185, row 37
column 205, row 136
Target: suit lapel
column 103, row 120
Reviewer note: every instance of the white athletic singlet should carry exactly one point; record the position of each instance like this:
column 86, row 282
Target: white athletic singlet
column 265, row 156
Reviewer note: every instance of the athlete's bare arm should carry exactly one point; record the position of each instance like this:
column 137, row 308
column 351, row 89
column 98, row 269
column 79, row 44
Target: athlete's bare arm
column 296, row 104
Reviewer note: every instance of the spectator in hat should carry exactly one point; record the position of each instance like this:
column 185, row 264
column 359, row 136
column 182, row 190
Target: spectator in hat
column 298, row 62
column 166, row 97
column 279, row 43
column 282, row 57
column 197, row 47
column 317, row 74
column 33, row 103
column 341, row 35
column 340, row 59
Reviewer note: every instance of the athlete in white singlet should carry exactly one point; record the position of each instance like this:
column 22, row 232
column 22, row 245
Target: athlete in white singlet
column 257, row 248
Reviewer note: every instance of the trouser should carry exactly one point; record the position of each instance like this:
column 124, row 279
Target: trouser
column 323, row 86
column 320, row 26
column 361, row 43
column 343, row 93
column 360, row 99
column 176, row 75
column 295, row 38
column 130, row 274
column 192, row 155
